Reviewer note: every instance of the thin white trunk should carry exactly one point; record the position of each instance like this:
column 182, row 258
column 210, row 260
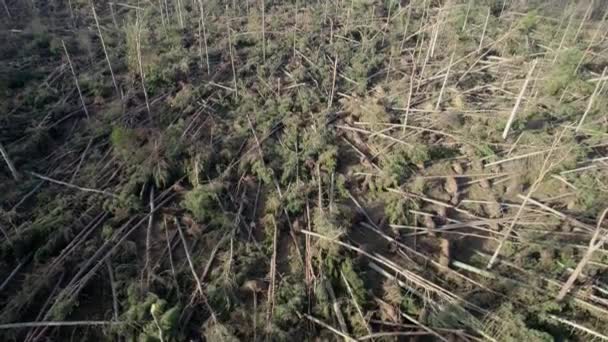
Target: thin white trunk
column 580, row 27
column 333, row 84
column 162, row 10
column 591, row 42
column 236, row 91
column 596, row 91
column 407, row 24
column 593, row 247
column 263, row 32
column 202, row 13
column 179, row 14
column 483, row 33
column 199, row 286
column 445, row 81
column 466, row 16
column 9, row 163
column 518, row 101
column 141, row 68
column 105, row 51
column 561, row 42
column 84, row 106
column 8, row 13
column 409, row 96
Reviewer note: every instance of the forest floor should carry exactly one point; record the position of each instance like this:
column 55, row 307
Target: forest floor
column 273, row 170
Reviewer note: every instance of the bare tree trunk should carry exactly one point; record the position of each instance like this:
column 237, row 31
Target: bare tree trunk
column 598, row 89
column 10, row 164
column 593, row 246
column 204, row 33
column 179, row 14
column 264, row 31
column 8, row 13
column 518, row 101
column 103, row 45
column 333, row 84
column 483, row 33
column 67, row 55
column 141, row 69
column 236, row 91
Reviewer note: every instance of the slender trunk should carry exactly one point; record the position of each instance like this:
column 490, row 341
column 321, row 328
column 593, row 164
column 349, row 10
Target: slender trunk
column 71, row 10
column 273, row 271
column 466, row 16
column 561, row 43
column 202, row 13
column 596, row 91
column 255, row 315
column 84, row 106
column 388, row 22
column 141, row 69
column 9, row 163
column 105, row 51
column 580, row 27
column 236, row 92
column 8, row 13
column 518, row 101
column 502, row 9
column 167, row 11
column 407, row 24
column 593, row 247
column 147, row 266
column 113, row 288
column 409, row 96
column 113, row 15
column 295, row 29
column 483, row 33
column 197, row 280
column 445, row 81
column 333, row 84
column 593, row 38
column 162, row 15
column 263, row 32
column 179, row 14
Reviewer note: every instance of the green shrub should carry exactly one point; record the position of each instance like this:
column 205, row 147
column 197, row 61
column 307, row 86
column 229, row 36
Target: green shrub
column 562, row 74
column 290, row 299
column 126, row 144
column 397, row 167
column 397, row 207
column 592, row 194
column 328, row 225
column 217, row 332
column 512, row 327
column 201, row 201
